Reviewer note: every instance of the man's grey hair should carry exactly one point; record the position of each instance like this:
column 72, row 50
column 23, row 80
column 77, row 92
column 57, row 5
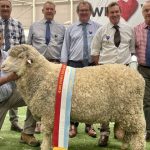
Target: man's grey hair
column 84, row 3
column 49, row 2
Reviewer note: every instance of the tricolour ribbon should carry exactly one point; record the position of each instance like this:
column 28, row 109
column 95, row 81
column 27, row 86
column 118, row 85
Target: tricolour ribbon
column 63, row 108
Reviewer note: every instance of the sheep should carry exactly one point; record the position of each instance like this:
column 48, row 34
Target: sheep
column 101, row 94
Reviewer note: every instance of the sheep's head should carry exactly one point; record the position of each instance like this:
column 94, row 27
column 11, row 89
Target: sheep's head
column 20, row 57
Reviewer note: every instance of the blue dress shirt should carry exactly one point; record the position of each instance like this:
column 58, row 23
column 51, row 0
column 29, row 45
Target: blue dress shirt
column 5, row 89
column 73, row 42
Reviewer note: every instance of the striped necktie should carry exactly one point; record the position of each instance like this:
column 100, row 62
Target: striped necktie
column 48, row 32
column 85, row 45
column 7, row 35
column 148, row 48
column 117, row 37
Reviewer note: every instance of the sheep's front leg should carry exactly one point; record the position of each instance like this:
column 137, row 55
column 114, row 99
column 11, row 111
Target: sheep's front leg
column 46, row 143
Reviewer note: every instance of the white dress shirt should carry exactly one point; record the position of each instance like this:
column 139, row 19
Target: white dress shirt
column 103, row 44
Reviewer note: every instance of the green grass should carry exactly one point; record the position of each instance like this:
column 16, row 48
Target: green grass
column 9, row 140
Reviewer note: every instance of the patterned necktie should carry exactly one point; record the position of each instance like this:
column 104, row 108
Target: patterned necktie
column 117, row 37
column 48, row 32
column 148, row 48
column 85, row 45
column 7, row 35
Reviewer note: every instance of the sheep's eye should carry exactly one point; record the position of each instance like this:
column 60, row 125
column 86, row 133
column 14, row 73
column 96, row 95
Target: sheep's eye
column 20, row 56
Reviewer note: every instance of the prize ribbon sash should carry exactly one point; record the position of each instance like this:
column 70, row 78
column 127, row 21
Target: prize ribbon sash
column 63, row 108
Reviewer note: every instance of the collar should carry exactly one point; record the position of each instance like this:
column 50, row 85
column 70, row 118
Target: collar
column 80, row 23
column 145, row 26
column 112, row 25
column 44, row 21
column 3, row 20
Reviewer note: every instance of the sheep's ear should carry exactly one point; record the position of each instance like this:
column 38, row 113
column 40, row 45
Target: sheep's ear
column 29, row 61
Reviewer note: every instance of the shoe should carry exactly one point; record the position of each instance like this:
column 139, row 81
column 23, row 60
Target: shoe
column 147, row 138
column 90, row 131
column 16, row 127
column 29, row 139
column 38, row 128
column 72, row 131
column 103, row 141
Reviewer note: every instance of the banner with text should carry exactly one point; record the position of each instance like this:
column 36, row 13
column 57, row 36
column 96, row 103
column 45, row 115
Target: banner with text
column 131, row 11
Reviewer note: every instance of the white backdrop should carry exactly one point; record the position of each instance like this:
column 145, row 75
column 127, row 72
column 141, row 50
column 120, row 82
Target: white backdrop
column 131, row 11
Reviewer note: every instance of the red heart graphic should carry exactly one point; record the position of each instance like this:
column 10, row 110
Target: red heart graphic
column 128, row 8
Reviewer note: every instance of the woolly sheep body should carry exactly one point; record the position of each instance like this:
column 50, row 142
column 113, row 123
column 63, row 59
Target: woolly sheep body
column 100, row 94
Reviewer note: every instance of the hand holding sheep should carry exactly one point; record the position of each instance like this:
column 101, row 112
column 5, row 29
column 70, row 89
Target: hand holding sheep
column 8, row 78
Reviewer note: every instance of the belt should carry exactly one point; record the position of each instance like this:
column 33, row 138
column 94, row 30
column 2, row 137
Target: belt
column 122, row 64
column 80, row 61
column 144, row 66
column 74, row 61
column 54, row 60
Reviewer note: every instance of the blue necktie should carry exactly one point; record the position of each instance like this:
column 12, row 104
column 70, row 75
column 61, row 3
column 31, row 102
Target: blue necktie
column 48, row 32
column 85, row 45
column 7, row 35
column 148, row 48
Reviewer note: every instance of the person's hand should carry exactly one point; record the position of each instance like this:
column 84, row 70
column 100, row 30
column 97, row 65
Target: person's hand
column 95, row 59
column 8, row 78
column 12, row 77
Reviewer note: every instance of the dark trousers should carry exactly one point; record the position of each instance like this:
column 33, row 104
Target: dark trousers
column 78, row 64
column 145, row 72
column 15, row 100
column 104, row 127
column 13, row 115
